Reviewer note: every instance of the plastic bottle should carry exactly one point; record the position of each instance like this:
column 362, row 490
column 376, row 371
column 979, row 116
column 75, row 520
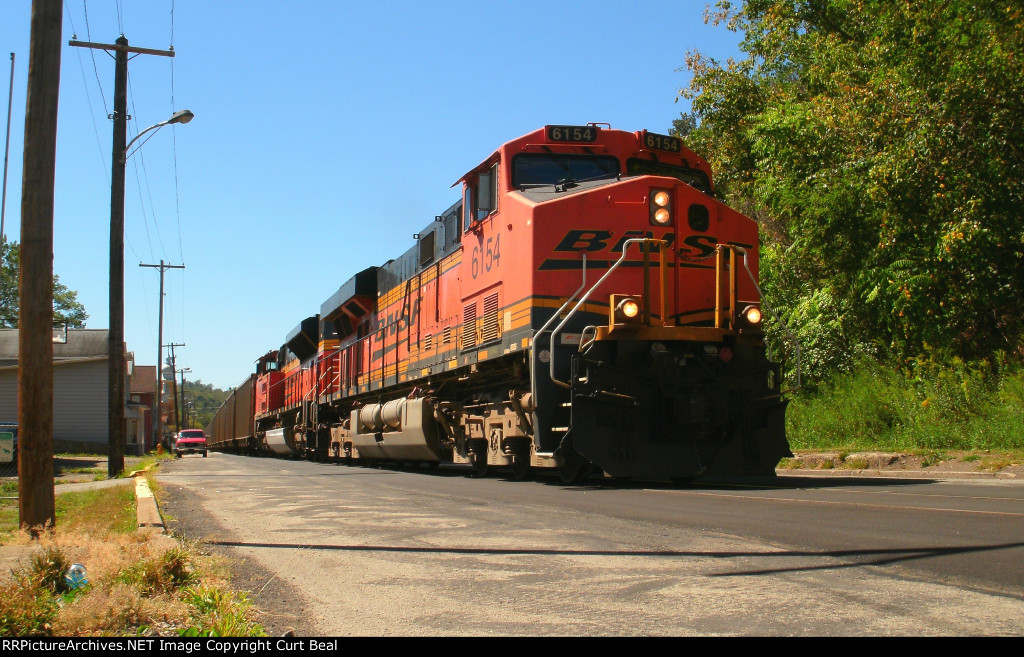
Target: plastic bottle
column 76, row 576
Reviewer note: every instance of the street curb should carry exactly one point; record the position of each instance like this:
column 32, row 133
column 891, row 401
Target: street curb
column 147, row 513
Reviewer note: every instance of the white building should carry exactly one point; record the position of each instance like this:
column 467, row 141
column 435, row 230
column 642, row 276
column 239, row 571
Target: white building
column 80, row 410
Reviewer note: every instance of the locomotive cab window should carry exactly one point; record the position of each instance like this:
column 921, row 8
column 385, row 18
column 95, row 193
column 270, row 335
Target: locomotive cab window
column 485, row 194
column 467, row 207
column 693, row 177
column 540, row 169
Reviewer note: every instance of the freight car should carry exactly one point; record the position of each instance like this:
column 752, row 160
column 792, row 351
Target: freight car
column 587, row 305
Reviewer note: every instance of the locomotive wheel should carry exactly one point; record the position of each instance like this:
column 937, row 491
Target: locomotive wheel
column 520, row 466
column 479, row 463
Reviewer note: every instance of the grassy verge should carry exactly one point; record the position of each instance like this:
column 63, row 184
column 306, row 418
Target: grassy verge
column 139, row 584
column 972, row 409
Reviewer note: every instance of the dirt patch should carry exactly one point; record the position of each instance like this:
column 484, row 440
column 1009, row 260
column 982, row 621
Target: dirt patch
column 952, row 464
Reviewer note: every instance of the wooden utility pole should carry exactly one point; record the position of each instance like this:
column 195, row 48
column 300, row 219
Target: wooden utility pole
column 157, row 434
column 115, row 343
column 174, row 385
column 35, row 325
column 182, row 372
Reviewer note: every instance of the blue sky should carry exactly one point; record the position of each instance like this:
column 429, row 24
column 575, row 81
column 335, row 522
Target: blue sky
column 326, row 133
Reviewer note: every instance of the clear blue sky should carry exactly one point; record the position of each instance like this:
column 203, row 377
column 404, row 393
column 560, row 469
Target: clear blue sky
column 326, row 133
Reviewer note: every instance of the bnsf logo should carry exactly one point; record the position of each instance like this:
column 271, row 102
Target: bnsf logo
column 693, row 246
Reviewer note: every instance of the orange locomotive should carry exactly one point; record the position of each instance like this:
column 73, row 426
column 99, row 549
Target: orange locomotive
column 587, row 305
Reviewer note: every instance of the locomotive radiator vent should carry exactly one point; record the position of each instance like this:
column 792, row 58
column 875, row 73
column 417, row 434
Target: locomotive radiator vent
column 469, row 326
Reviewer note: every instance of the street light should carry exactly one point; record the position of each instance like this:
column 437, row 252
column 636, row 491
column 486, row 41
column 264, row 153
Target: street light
column 115, row 344
column 181, row 116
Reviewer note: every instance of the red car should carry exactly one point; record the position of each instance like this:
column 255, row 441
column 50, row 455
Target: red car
column 190, row 441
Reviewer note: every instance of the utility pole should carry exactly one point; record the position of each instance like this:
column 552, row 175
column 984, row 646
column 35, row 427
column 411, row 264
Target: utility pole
column 182, row 372
column 174, row 386
column 35, row 325
column 157, row 433
column 115, row 344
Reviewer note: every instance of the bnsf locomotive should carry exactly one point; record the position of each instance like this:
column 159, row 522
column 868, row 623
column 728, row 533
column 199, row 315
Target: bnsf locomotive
column 587, row 305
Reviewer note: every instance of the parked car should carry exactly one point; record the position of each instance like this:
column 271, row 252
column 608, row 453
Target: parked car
column 190, row 441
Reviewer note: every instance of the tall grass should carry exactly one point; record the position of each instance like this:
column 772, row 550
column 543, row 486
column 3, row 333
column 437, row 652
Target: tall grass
column 922, row 406
column 137, row 585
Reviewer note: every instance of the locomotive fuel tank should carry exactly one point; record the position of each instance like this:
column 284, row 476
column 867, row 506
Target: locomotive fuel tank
column 400, row 429
column 279, row 442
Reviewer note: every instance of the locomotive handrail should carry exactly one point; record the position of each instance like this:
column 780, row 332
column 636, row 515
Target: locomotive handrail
column 789, row 334
column 540, row 331
column 554, row 333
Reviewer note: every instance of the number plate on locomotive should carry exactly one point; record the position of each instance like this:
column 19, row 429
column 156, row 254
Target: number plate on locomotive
column 573, row 133
column 663, row 142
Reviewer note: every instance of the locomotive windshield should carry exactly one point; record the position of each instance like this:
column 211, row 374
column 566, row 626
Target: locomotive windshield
column 535, row 169
column 693, row 177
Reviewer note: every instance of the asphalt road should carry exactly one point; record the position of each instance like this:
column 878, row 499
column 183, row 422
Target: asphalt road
column 333, row 550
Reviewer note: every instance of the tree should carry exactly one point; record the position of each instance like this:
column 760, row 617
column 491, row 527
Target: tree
column 879, row 145
column 66, row 307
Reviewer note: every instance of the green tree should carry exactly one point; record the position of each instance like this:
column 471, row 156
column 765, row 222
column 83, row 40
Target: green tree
column 206, row 400
column 66, row 307
column 878, row 143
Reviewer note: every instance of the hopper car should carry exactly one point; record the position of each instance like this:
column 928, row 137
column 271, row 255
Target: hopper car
column 587, row 305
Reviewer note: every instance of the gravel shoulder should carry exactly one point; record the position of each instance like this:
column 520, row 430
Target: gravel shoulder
column 276, row 602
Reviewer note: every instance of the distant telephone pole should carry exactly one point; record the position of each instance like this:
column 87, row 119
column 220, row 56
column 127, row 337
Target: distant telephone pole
column 157, row 434
column 182, row 372
column 174, row 385
column 35, row 325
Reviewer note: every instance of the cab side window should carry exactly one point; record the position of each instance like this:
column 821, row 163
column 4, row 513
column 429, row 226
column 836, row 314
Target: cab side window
column 467, row 208
column 487, row 193
column 481, row 199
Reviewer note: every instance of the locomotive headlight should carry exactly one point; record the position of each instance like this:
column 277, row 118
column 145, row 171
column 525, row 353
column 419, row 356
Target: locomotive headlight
column 661, row 207
column 624, row 309
column 752, row 315
column 628, row 308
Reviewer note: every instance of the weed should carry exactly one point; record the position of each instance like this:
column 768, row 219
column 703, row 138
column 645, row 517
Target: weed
column 970, row 458
column 219, row 613
column 995, row 463
column 856, row 463
column 25, row 609
column 161, row 574
column 48, row 569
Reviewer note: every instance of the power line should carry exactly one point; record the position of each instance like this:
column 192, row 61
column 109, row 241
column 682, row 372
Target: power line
column 95, row 69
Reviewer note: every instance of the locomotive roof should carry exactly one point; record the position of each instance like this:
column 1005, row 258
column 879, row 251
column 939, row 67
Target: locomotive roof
column 302, row 340
column 538, row 138
column 363, row 284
